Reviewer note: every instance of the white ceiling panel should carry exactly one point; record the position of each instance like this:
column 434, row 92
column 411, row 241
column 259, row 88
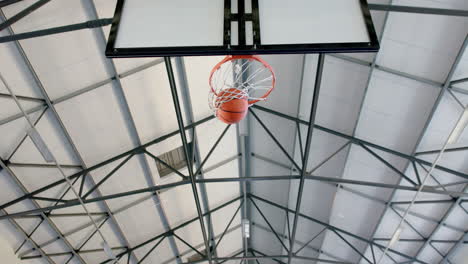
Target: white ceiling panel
column 390, row 112
column 129, row 176
column 59, row 59
column 140, row 222
column 13, row 133
column 198, row 70
column 343, row 85
column 9, row 108
column 208, row 133
column 150, row 102
column 380, row 122
column 161, row 253
column 14, row 71
column 423, row 45
column 54, row 138
column 90, row 119
column 178, row 204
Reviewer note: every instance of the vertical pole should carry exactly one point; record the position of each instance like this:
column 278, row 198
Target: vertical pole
column 313, row 112
column 180, row 122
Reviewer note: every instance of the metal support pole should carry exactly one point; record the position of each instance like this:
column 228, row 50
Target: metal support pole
column 85, row 90
column 23, row 14
column 228, row 225
column 418, row 10
column 131, row 126
column 57, row 30
column 153, row 189
column 351, row 246
column 462, row 80
column 185, row 95
column 202, row 245
column 243, row 147
column 44, row 216
column 355, row 140
column 28, row 238
column 378, row 157
column 86, row 225
column 454, row 248
column 4, row 3
column 308, row 144
column 101, row 164
column 180, row 122
column 331, row 227
column 449, row 78
column 170, row 232
column 270, row 226
column 275, row 140
column 370, row 198
column 23, row 98
column 62, row 127
column 302, row 244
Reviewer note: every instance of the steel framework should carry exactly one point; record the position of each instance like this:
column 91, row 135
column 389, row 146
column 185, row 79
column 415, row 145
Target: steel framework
column 196, row 180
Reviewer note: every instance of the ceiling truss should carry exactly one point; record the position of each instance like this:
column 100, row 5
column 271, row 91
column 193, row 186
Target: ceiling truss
column 247, row 254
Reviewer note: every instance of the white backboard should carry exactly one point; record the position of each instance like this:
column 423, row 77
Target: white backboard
column 171, row 23
column 217, row 27
column 316, row 21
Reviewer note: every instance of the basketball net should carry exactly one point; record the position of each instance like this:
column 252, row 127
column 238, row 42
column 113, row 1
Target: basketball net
column 240, row 77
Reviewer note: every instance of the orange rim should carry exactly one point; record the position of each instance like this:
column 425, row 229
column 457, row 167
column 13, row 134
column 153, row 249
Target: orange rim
column 245, row 57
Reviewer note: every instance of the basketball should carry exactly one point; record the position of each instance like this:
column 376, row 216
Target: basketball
column 232, row 105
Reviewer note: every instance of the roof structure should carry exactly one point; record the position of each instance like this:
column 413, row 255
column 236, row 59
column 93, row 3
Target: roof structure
column 321, row 172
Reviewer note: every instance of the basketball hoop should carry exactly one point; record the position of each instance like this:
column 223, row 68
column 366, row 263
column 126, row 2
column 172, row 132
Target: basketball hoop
column 238, row 82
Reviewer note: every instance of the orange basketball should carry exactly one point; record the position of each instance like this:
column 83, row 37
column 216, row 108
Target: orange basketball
column 231, row 111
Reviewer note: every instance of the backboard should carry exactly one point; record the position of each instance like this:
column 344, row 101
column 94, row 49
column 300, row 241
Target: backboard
column 151, row 28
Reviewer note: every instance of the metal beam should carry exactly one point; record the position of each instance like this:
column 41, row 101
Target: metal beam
column 84, row 226
column 153, row 189
column 351, row 246
column 24, row 137
column 136, row 150
column 189, row 251
column 24, row 98
column 373, row 65
column 368, row 197
column 388, row 70
column 453, row 250
column 5, row 3
column 170, row 232
column 133, row 131
column 20, row 15
column 462, row 80
column 300, row 243
column 331, row 227
column 418, row 10
column 85, row 89
column 308, row 144
column 86, row 251
column 270, row 226
column 449, row 78
column 180, row 122
column 27, row 237
column 420, row 240
column 68, row 138
column 271, row 257
column 267, row 130
column 185, row 95
column 44, row 216
column 57, row 30
column 426, row 152
column 364, row 142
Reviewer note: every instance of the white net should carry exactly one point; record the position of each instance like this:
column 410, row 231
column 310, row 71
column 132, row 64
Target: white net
column 241, row 78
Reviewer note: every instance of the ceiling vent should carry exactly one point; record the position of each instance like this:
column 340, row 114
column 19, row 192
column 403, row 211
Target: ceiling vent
column 198, row 257
column 174, row 158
